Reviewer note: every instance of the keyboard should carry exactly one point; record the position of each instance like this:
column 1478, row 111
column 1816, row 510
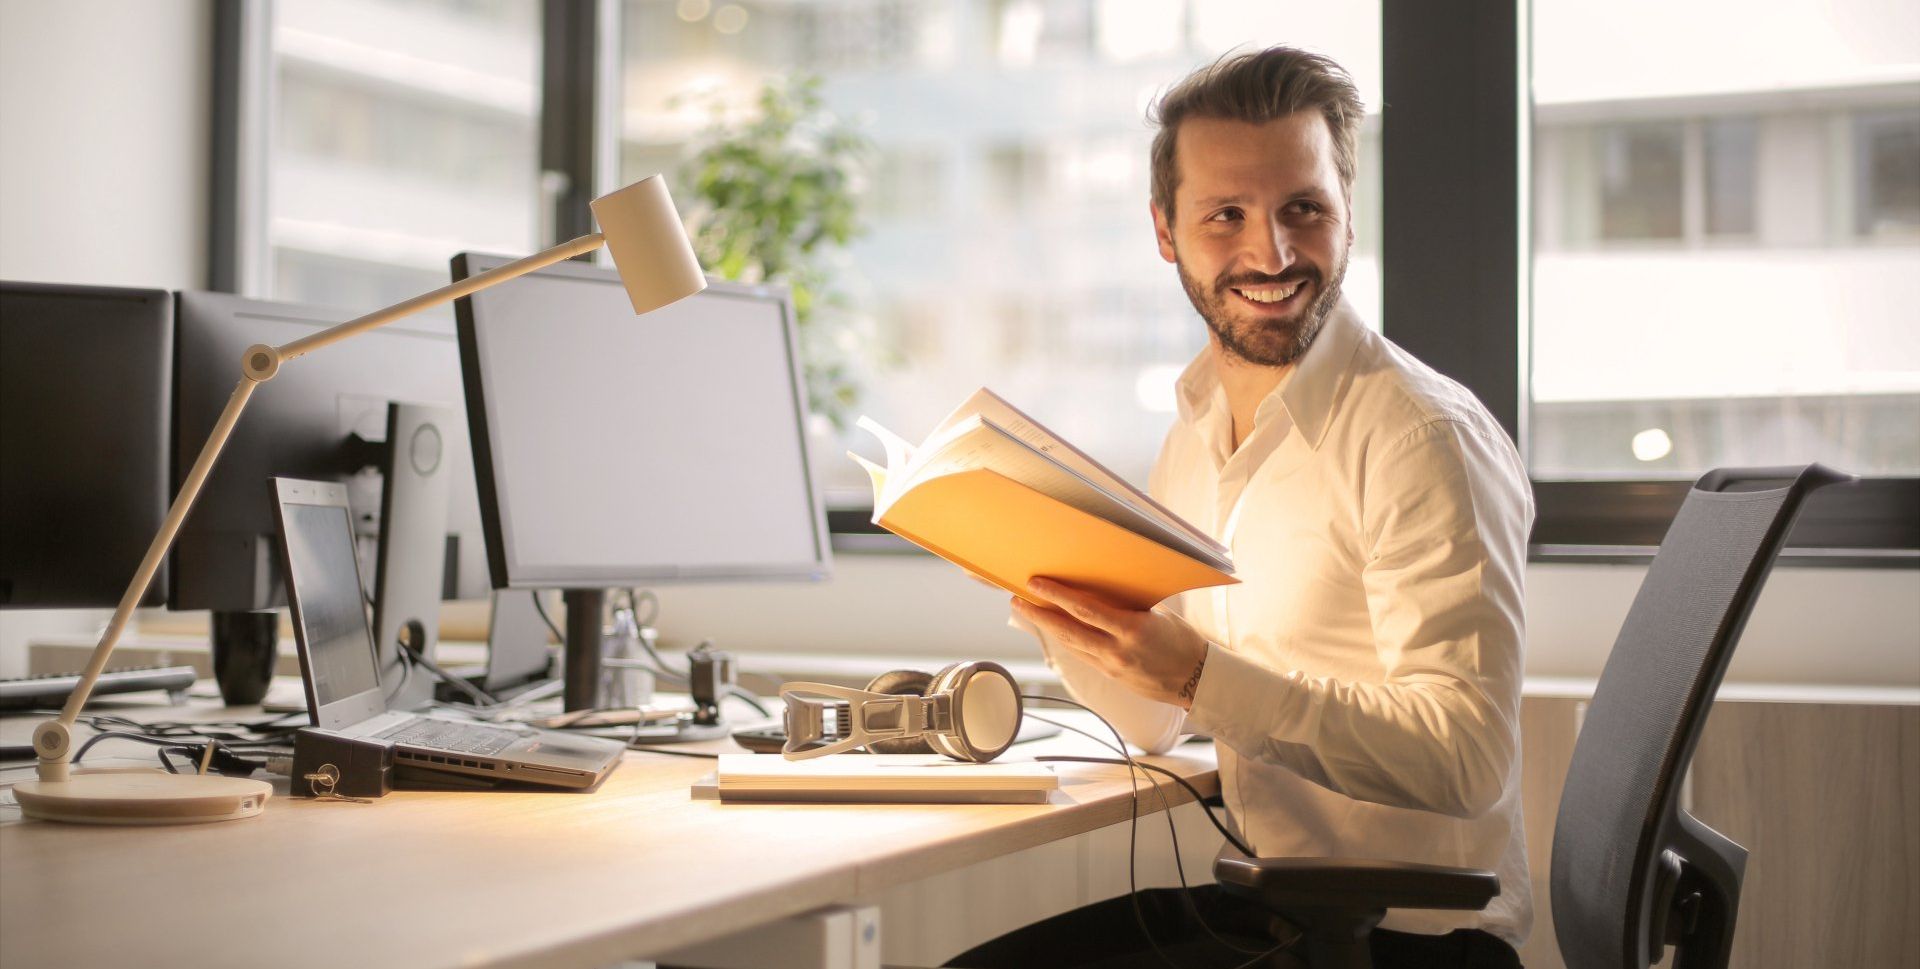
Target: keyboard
column 51, row 690
column 452, row 736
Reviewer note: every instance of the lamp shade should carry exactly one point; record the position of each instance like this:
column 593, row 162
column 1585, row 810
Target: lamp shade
column 649, row 245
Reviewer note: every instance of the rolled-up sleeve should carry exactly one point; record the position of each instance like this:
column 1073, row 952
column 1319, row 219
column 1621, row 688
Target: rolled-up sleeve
column 1445, row 515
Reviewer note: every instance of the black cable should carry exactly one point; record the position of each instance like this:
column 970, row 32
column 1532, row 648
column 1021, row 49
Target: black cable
column 749, row 698
column 142, row 738
column 478, row 695
column 1133, row 824
column 1232, row 839
column 406, row 674
column 1173, row 831
column 1133, row 765
column 541, row 608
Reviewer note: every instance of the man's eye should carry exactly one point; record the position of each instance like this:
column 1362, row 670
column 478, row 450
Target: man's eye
column 1305, row 208
column 1225, row 215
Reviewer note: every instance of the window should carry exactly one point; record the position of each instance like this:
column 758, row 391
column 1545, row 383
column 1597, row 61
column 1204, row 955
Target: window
column 1641, row 181
column 1887, row 176
column 1007, row 237
column 1726, row 242
column 399, row 134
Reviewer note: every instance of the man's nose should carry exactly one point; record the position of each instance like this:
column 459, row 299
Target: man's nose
column 1269, row 250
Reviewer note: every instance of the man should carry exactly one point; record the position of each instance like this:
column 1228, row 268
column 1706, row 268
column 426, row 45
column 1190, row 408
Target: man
column 1362, row 682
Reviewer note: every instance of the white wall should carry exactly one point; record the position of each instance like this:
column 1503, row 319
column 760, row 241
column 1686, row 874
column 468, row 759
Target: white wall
column 104, row 110
column 103, row 179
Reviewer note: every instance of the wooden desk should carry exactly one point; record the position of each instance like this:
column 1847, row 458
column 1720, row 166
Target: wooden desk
column 501, row 879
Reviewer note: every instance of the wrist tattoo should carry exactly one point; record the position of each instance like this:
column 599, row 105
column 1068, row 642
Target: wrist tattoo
column 1193, row 682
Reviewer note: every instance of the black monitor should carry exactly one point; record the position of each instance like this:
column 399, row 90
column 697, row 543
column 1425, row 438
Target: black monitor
column 85, row 379
column 324, row 417
column 614, row 450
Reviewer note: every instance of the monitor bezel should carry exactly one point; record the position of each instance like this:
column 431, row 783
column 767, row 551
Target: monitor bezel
column 353, row 708
column 505, row 571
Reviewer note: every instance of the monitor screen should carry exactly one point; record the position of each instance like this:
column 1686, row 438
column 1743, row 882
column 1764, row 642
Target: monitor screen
column 612, row 449
column 86, row 380
column 333, row 616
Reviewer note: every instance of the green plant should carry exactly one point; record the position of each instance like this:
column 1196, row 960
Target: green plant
column 775, row 200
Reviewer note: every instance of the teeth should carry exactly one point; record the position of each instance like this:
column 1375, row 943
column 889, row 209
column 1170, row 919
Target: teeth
column 1270, row 295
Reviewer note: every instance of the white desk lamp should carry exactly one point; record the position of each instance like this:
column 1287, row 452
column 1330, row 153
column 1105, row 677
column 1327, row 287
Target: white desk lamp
column 656, row 264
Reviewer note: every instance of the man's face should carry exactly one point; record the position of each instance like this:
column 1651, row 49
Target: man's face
column 1260, row 231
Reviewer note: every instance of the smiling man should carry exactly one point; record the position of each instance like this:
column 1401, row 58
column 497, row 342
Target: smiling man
column 1362, row 682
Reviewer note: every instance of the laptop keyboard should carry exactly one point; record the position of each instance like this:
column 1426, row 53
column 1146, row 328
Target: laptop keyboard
column 452, row 736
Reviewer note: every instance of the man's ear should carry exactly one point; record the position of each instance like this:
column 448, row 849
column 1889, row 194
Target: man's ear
column 1162, row 232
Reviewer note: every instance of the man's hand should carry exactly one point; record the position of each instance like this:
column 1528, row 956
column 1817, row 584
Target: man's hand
column 1151, row 653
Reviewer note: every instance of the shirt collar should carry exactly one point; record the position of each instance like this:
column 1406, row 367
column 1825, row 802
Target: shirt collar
column 1309, row 393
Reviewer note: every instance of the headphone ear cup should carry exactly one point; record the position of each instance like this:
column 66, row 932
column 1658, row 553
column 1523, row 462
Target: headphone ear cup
column 901, row 683
column 986, row 711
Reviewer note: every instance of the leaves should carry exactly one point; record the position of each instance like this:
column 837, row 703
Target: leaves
column 773, row 197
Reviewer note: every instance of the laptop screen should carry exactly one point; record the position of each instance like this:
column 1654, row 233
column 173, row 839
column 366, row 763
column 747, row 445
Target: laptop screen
column 332, row 613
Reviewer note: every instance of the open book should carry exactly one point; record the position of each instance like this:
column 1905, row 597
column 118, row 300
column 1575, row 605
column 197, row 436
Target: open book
column 997, row 494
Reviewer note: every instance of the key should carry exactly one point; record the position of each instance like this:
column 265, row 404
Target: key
column 323, row 781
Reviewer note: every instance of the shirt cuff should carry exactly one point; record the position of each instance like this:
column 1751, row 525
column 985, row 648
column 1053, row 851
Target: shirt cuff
column 1237, row 698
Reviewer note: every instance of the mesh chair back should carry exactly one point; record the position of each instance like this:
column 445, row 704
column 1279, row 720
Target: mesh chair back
column 1619, row 834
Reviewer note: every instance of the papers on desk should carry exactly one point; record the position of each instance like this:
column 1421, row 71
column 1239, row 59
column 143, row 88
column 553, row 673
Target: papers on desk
column 877, row 778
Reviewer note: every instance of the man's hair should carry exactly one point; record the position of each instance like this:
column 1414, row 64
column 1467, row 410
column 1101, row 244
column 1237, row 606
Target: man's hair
column 1257, row 87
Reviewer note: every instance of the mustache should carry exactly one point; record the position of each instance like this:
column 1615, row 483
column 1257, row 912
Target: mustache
column 1256, row 280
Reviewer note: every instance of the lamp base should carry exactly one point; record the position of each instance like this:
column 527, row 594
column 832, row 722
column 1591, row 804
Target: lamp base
column 142, row 796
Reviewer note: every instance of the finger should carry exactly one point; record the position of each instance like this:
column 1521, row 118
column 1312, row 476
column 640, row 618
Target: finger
column 1084, row 606
column 1062, row 628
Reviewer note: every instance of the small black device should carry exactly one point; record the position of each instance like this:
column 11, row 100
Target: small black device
column 342, row 676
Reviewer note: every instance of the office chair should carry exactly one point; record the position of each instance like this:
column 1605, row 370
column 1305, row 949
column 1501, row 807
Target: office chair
column 1632, row 872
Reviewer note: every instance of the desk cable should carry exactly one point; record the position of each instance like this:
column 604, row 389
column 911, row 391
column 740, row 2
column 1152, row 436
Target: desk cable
column 1134, row 770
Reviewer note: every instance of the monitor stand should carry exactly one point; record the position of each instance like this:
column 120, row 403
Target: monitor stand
column 411, row 566
column 712, row 673
column 585, row 640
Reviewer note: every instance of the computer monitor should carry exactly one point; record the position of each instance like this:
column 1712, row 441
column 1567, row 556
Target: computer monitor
column 615, row 451
column 85, row 380
column 312, row 421
column 326, row 419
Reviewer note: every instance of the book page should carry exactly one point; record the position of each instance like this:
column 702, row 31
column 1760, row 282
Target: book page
column 982, row 443
column 995, row 408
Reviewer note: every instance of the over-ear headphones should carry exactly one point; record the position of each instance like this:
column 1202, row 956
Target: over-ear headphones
column 967, row 711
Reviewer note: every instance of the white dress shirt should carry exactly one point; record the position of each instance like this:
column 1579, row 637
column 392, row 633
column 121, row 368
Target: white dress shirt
column 1362, row 680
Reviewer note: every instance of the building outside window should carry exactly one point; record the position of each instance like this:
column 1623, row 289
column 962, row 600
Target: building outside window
column 1726, row 241
column 402, row 132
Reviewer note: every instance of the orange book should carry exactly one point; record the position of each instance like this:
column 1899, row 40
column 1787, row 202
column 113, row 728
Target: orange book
column 996, row 493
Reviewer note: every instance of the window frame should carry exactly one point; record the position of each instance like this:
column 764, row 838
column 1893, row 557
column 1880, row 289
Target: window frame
column 1456, row 259
column 577, row 151
column 1456, row 235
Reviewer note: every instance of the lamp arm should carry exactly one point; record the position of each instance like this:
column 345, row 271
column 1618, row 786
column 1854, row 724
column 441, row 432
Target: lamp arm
column 445, row 294
column 53, row 739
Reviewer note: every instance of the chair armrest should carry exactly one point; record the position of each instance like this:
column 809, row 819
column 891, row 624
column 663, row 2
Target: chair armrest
column 1347, row 883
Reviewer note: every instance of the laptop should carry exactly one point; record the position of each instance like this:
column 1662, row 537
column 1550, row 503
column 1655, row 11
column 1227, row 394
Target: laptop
column 340, row 667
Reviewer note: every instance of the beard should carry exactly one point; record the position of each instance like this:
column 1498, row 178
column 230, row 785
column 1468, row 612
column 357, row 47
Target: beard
column 1258, row 340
